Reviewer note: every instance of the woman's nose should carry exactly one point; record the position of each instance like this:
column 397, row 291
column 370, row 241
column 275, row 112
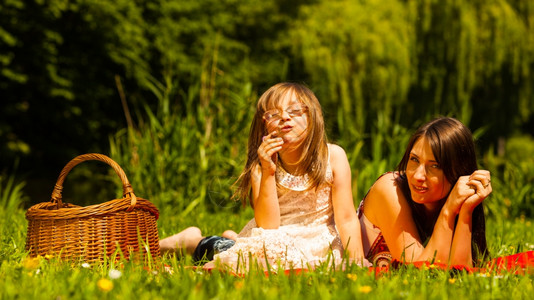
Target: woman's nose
column 420, row 172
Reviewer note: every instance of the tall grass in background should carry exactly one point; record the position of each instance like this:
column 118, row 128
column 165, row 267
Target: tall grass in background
column 185, row 154
column 386, row 145
column 512, row 179
column 12, row 224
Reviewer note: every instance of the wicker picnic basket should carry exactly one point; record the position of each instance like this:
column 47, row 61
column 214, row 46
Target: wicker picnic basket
column 93, row 232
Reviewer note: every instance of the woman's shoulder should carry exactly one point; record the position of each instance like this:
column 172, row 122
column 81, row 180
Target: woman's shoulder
column 385, row 189
column 387, row 181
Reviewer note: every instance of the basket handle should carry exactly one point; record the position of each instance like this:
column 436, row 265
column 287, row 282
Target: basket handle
column 126, row 187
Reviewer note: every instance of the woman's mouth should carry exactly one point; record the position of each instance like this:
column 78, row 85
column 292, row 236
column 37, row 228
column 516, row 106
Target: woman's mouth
column 419, row 189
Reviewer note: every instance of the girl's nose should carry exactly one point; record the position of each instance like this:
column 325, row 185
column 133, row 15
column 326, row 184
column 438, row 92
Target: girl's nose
column 285, row 115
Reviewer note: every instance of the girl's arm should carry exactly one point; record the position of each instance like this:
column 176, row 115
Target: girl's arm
column 264, row 196
column 347, row 222
column 461, row 244
column 386, row 207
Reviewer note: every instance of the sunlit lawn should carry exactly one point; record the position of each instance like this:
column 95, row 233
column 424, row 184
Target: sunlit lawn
column 22, row 277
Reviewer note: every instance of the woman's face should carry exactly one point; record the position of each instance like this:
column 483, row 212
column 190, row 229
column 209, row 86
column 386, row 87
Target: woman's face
column 425, row 177
column 289, row 120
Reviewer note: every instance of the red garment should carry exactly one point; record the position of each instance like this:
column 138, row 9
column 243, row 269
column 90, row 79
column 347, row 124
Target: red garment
column 518, row 264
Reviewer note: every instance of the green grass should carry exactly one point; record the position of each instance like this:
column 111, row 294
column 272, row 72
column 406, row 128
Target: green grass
column 25, row 278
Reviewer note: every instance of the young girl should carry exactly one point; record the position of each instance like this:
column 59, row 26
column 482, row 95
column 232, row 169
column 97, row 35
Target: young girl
column 299, row 187
column 430, row 209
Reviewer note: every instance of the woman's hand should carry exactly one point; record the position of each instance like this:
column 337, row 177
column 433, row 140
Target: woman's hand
column 461, row 191
column 480, row 182
column 267, row 152
column 469, row 191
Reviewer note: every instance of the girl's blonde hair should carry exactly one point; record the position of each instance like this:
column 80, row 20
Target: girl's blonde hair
column 313, row 160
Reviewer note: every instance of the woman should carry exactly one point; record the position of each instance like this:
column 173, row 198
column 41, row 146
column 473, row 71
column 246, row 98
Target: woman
column 430, row 208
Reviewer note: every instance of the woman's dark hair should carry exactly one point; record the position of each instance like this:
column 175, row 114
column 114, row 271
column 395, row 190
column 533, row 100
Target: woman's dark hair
column 454, row 150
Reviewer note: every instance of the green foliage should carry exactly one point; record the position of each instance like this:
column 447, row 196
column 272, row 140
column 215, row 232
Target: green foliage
column 474, row 60
column 353, row 57
column 63, row 62
column 409, row 60
column 512, row 179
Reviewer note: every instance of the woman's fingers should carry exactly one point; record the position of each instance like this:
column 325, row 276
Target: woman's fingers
column 460, row 192
column 465, row 189
column 470, row 190
column 480, row 180
column 483, row 176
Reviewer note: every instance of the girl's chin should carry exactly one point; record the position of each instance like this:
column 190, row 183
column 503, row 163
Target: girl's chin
column 291, row 141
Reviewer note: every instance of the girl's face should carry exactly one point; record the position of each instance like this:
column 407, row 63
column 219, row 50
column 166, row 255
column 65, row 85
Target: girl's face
column 288, row 120
column 425, row 177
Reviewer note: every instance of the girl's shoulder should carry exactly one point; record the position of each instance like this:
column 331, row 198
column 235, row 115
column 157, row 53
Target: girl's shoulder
column 337, row 159
column 336, row 152
column 335, row 147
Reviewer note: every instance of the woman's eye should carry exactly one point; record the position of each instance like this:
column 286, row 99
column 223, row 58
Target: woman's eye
column 414, row 159
column 435, row 166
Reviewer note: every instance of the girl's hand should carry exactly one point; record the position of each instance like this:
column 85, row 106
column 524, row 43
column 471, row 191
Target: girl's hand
column 461, row 191
column 480, row 182
column 267, row 152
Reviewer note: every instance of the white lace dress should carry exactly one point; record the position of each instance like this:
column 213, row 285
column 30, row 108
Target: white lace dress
column 306, row 236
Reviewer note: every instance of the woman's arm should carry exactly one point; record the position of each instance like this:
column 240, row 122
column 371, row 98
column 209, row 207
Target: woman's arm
column 347, row 222
column 461, row 253
column 264, row 195
column 386, row 207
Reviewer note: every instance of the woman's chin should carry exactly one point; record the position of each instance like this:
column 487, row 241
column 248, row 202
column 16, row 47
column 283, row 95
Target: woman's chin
column 420, row 198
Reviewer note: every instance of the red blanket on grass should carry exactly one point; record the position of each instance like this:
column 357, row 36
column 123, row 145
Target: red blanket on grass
column 518, row 264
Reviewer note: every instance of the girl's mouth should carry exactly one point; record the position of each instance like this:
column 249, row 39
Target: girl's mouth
column 286, row 129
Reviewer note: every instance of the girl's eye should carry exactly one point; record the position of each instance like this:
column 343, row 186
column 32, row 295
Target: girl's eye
column 294, row 111
column 435, row 166
column 414, row 159
column 271, row 115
